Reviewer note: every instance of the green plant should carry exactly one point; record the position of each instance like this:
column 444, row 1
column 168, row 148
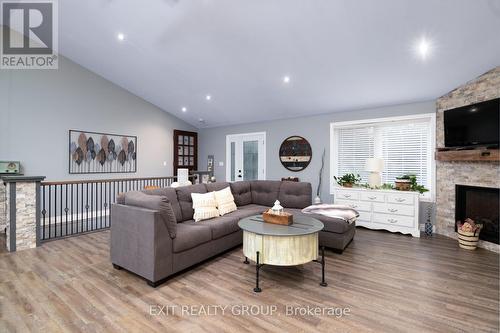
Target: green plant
column 414, row 186
column 348, row 178
column 386, row 186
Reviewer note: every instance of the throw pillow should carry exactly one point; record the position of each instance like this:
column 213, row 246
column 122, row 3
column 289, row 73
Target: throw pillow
column 225, row 201
column 155, row 202
column 204, row 205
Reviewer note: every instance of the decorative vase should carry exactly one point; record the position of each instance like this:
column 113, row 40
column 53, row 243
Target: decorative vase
column 317, row 200
column 428, row 228
column 347, row 185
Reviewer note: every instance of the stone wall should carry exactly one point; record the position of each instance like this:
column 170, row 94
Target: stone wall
column 7, row 214
column 486, row 174
column 3, row 207
column 25, row 216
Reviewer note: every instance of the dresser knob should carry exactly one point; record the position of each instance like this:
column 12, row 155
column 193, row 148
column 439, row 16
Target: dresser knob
column 372, row 198
column 347, row 195
column 392, row 220
column 392, row 210
column 400, row 199
column 354, row 206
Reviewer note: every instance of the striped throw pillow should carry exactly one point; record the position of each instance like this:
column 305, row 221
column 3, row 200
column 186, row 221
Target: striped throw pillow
column 204, row 205
column 225, row 201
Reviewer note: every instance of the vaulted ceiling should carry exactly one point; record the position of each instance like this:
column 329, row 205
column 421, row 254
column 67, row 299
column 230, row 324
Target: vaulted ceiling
column 339, row 55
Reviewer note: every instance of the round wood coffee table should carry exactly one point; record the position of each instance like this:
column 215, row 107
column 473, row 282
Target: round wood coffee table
column 281, row 245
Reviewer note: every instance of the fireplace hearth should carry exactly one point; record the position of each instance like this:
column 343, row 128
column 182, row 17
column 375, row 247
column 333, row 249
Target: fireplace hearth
column 482, row 205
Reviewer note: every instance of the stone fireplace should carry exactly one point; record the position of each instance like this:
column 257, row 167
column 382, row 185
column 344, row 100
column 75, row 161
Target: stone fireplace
column 468, row 173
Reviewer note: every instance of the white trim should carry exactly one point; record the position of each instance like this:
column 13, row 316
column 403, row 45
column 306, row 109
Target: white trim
column 246, row 134
column 262, row 153
column 377, row 121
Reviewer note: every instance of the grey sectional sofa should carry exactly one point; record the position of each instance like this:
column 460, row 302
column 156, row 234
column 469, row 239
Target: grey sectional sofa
column 142, row 243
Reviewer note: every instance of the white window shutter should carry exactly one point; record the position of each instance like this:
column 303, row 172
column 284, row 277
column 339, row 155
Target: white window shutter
column 405, row 147
column 355, row 145
column 405, row 150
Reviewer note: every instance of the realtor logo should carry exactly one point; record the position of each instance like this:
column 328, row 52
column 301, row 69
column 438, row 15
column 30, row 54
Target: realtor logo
column 29, row 35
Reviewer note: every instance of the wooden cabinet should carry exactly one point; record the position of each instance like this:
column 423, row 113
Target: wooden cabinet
column 185, row 150
column 394, row 211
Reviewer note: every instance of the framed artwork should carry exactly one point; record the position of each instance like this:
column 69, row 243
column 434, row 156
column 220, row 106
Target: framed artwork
column 94, row 152
column 210, row 163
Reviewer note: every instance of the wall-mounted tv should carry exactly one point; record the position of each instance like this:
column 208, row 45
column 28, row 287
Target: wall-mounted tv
column 473, row 125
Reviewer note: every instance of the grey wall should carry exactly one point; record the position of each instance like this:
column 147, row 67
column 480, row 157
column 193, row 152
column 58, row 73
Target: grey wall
column 38, row 107
column 315, row 129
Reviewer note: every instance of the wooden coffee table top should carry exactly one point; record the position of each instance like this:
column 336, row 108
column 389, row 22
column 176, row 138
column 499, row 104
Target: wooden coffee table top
column 302, row 225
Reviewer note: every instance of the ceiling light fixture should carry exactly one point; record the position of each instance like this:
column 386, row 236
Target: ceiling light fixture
column 286, row 79
column 120, row 36
column 184, row 109
column 423, row 48
column 208, row 97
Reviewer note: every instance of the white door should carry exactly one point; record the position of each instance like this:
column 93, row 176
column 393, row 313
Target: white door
column 246, row 156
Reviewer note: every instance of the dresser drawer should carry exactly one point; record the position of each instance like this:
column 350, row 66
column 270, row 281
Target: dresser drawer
column 364, row 216
column 347, row 195
column 357, row 205
column 375, row 197
column 404, row 221
column 403, row 199
column 394, row 209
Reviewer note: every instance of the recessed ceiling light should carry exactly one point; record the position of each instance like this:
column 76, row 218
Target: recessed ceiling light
column 120, row 36
column 423, row 48
column 184, row 109
column 201, row 120
column 208, row 97
column 286, row 79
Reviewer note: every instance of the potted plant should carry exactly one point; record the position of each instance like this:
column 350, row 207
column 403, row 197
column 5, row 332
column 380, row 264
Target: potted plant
column 403, row 183
column 468, row 234
column 408, row 182
column 347, row 180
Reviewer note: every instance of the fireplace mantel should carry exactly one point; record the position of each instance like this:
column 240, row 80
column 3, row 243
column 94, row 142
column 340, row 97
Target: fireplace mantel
column 479, row 154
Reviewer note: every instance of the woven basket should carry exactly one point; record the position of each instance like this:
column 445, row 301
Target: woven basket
column 468, row 240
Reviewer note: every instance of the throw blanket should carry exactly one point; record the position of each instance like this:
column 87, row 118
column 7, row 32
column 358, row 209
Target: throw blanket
column 342, row 212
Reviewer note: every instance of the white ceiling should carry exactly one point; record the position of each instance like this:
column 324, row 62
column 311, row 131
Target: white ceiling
column 340, row 54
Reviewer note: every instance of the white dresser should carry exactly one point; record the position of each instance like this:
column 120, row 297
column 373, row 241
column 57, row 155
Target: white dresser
column 391, row 210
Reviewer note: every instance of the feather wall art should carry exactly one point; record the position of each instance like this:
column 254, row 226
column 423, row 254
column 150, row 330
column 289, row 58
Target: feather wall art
column 92, row 152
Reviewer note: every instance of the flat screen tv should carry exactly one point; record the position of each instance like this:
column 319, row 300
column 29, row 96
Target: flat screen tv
column 473, row 125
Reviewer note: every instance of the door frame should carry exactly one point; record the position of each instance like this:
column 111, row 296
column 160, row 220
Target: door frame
column 231, row 137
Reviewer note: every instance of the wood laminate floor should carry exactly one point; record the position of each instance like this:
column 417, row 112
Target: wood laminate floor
column 389, row 283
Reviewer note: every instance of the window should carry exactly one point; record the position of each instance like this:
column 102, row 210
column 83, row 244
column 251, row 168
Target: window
column 405, row 143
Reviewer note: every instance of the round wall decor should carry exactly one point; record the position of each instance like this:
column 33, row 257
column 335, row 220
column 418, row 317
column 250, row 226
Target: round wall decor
column 295, row 153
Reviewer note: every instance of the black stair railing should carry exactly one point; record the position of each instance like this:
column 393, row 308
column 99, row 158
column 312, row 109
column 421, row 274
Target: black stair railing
column 71, row 208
